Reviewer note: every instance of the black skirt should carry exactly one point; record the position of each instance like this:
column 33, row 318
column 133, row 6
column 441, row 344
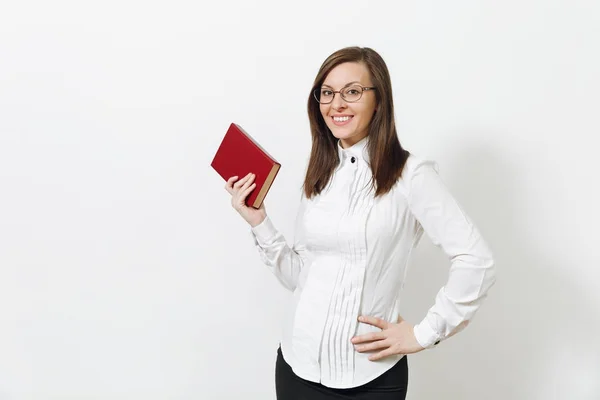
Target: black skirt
column 392, row 385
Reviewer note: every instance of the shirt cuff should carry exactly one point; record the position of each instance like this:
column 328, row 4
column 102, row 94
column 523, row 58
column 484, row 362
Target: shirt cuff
column 426, row 336
column 265, row 232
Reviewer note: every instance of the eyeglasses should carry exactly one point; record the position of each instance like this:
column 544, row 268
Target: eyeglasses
column 351, row 94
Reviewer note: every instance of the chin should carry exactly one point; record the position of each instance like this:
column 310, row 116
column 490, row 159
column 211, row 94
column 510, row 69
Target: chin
column 342, row 133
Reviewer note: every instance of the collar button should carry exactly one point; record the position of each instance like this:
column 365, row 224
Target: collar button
column 353, row 159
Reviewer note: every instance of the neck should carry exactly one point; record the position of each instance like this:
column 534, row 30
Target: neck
column 345, row 143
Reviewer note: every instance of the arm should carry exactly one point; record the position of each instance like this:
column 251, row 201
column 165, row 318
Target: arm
column 472, row 271
column 284, row 261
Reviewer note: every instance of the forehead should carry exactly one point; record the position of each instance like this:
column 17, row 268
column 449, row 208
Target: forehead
column 348, row 72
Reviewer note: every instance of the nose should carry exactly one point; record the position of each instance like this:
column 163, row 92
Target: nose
column 338, row 102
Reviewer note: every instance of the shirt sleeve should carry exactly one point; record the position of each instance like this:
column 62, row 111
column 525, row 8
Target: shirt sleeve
column 472, row 270
column 284, row 261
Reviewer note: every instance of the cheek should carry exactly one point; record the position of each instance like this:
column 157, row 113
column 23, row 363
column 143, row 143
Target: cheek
column 366, row 114
column 323, row 109
column 362, row 113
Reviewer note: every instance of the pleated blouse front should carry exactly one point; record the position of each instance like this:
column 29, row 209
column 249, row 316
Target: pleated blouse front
column 349, row 258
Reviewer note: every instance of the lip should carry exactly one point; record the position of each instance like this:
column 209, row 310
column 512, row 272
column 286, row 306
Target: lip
column 337, row 123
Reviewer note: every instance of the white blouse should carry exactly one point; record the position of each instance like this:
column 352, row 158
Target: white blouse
column 349, row 258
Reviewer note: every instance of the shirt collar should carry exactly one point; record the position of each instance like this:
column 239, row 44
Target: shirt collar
column 359, row 150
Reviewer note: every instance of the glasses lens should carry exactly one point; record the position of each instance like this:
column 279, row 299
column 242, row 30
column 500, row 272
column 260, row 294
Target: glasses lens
column 324, row 96
column 352, row 93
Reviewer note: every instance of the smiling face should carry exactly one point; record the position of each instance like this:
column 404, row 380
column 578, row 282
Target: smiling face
column 348, row 122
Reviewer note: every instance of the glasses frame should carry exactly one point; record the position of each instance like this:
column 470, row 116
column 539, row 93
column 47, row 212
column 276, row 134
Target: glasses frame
column 364, row 89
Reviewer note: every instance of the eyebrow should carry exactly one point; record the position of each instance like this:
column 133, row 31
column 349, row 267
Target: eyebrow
column 347, row 84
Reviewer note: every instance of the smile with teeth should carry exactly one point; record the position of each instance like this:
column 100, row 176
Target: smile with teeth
column 341, row 119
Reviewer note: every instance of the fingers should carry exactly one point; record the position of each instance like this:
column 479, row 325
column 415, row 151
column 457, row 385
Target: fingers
column 368, row 337
column 247, row 191
column 378, row 322
column 242, row 181
column 382, row 354
column 380, row 344
column 242, row 190
column 233, row 184
column 229, row 184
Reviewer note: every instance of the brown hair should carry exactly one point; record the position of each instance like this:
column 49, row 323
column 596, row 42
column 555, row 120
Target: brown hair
column 387, row 157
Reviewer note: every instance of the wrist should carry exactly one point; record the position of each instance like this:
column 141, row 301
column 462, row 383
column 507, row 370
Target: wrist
column 254, row 222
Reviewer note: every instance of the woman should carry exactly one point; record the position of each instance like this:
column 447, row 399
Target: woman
column 365, row 204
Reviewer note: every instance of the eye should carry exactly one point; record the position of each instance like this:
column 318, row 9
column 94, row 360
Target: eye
column 352, row 91
column 326, row 92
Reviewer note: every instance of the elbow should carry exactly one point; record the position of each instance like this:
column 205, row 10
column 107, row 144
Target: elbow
column 484, row 261
column 490, row 270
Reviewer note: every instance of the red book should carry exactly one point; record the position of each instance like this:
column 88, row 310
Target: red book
column 238, row 155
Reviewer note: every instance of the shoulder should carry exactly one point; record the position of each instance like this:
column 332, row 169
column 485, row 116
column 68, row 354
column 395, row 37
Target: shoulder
column 415, row 166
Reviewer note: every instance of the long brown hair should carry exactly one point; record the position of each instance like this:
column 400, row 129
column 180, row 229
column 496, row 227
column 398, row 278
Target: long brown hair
column 387, row 157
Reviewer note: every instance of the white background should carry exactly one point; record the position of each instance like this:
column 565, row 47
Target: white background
column 126, row 274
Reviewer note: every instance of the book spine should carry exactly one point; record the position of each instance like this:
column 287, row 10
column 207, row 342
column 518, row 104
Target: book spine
column 266, row 185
